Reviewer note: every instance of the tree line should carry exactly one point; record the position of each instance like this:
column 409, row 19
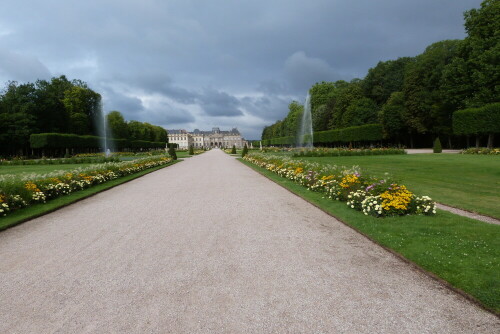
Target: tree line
column 414, row 98
column 60, row 106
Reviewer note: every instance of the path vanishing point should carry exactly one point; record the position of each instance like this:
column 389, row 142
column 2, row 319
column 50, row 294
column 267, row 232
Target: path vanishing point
column 210, row 246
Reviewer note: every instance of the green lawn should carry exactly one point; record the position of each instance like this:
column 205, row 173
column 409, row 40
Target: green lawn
column 462, row 251
column 39, row 169
column 471, row 182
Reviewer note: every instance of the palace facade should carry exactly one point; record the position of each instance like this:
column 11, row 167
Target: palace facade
column 206, row 139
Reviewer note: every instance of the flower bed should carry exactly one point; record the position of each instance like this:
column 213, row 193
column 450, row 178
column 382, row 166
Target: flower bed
column 482, row 150
column 335, row 152
column 372, row 196
column 17, row 192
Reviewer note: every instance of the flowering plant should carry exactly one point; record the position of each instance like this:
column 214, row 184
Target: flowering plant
column 371, row 195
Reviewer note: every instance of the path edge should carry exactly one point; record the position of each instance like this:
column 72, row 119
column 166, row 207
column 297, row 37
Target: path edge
column 412, row 264
column 26, row 219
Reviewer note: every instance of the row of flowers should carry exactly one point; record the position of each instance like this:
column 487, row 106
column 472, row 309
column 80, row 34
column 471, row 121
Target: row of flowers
column 482, row 150
column 378, row 197
column 17, row 192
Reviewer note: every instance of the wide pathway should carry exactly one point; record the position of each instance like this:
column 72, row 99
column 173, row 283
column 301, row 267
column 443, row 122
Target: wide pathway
column 210, row 246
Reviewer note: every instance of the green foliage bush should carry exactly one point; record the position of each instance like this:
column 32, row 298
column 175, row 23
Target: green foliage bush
column 191, row 150
column 245, row 151
column 483, row 120
column 368, row 132
column 233, row 150
column 437, row 148
column 171, row 152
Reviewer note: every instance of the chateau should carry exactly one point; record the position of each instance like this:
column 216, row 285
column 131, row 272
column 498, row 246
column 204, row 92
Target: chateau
column 206, row 139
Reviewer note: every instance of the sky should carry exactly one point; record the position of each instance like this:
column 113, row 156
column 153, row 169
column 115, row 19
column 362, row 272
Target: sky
column 186, row 64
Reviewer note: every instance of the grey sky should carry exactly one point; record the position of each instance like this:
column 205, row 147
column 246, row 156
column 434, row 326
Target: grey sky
column 198, row 64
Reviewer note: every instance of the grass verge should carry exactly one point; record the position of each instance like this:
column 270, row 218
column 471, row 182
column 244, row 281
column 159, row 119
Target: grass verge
column 470, row 182
column 33, row 211
column 463, row 252
column 39, row 169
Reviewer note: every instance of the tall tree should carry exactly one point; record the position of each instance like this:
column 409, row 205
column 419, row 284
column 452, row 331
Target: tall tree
column 117, row 125
column 347, row 93
column 361, row 111
column 427, row 108
column 384, row 79
column 83, row 107
column 472, row 78
column 391, row 116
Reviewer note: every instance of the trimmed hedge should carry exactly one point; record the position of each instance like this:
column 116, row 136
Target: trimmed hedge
column 362, row 133
column 64, row 140
column 473, row 121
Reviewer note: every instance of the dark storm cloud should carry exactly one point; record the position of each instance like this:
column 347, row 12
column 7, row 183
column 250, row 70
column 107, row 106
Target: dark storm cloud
column 217, row 103
column 126, row 104
column 255, row 56
column 21, row 68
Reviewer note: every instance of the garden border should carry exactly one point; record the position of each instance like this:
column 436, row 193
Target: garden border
column 412, row 264
column 70, row 201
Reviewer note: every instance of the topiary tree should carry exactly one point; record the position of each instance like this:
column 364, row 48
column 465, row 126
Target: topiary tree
column 191, row 150
column 245, row 151
column 171, row 152
column 437, row 148
column 233, row 150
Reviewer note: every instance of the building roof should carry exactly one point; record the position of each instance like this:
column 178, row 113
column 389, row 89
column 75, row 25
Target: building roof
column 176, row 132
column 233, row 132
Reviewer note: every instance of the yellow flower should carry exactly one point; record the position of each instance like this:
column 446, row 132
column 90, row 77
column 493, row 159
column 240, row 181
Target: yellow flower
column 349, row 180
column 396, row 198
column 31, row 187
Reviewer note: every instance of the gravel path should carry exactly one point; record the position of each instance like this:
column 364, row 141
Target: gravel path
column 468, row 214
column 210, row 246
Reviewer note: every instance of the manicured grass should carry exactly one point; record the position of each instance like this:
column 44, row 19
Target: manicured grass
column 462, row 251
column 36, row 210
column 39, row 169
column 470, row 182
column 183, row 154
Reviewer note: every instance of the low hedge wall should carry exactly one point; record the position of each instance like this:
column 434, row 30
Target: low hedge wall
column 362, row 133
column 72, row 141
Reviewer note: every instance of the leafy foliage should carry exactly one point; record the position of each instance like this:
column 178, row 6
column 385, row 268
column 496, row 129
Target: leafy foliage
column 437, row 148
column 171, row 152
column 413, row 96
column 245, row 151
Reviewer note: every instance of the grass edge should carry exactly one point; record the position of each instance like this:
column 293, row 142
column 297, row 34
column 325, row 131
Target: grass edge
column 70, row 201
column 412, row 264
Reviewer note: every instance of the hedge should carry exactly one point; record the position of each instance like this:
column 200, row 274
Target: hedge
column 368, row 132
column 71, row 141
column 473, row 121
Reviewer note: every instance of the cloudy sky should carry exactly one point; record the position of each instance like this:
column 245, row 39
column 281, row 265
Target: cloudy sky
column 199, row 63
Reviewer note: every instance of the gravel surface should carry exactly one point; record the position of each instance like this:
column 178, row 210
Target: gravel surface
column 428, row 150
column 468, row 214
column 210, row 246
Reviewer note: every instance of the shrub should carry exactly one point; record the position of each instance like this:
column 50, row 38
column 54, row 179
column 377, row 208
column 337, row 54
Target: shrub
column 437, row 148
column 191, row 150
column 475, row 121
column 379, row 197
column 233, row 150
column 171, row 152
column 245, row 151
